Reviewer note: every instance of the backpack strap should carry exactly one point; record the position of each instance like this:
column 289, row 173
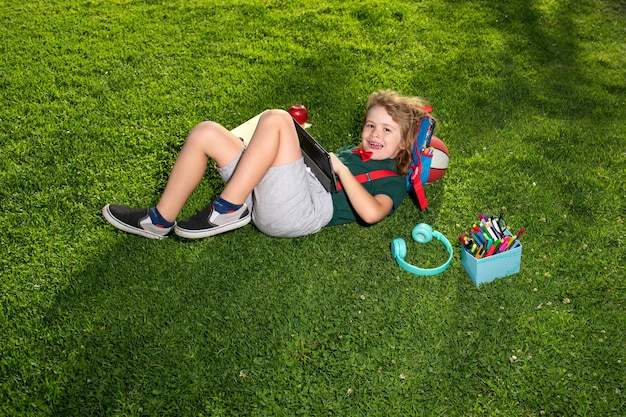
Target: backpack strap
column 418, row 187
column 371, row 176
column 416, row 182
column 420, row 168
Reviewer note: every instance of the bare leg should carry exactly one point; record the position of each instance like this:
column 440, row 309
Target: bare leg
column 206, row 140
column 275, row 142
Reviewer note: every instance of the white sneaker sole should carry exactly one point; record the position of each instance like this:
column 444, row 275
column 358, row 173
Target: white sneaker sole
column 199, row 234
column 127, row 228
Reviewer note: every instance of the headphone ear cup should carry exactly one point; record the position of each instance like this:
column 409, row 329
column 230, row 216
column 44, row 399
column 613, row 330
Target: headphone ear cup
column 422, row 233
column 398, row 249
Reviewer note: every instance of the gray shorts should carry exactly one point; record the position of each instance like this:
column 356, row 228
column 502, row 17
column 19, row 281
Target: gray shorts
column 289, row 201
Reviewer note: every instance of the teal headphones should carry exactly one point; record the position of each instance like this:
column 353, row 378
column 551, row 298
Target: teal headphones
column 422, row 233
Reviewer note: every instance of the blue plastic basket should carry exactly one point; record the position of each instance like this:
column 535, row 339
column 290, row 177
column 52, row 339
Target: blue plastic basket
column 492, row 267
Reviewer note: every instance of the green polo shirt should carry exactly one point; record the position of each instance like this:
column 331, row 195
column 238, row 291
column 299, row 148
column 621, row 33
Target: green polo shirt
column 392, row 186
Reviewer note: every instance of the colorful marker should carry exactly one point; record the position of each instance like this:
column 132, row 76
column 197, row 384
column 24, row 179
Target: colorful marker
column 517, row 235
column 504, row 245
column 491, row 232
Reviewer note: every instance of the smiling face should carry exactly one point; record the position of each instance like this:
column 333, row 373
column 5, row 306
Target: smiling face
column 381, row 134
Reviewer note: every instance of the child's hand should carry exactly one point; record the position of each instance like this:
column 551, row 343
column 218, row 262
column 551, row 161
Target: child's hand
column 337, row 164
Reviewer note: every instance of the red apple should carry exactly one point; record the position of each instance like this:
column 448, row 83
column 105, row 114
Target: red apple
column 299, row 113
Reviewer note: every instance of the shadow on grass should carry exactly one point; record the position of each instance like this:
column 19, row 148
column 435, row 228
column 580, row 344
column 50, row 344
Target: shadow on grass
column 535, row 67
column 162, row 327
column 533, row 61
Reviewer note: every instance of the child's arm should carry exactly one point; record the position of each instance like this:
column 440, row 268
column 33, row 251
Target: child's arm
column 370, row 208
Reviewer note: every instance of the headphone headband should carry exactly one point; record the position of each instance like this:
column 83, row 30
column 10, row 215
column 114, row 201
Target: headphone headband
column 421, row 233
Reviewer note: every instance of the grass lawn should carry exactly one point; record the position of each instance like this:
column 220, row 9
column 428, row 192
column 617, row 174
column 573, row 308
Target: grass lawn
column 96, row 98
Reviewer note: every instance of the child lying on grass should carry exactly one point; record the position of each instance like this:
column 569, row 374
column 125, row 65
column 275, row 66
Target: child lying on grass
column 268, row 183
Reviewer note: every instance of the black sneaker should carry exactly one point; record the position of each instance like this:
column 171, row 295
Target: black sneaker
column 209, row 222
column 134, row 220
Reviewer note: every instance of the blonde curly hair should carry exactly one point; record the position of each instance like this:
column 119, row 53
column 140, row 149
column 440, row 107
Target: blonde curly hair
column 406, row 112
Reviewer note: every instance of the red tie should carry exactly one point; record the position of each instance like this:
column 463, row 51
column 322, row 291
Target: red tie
column 365, row 156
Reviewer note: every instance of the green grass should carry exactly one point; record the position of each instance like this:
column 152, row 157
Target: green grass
column 96, row 98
